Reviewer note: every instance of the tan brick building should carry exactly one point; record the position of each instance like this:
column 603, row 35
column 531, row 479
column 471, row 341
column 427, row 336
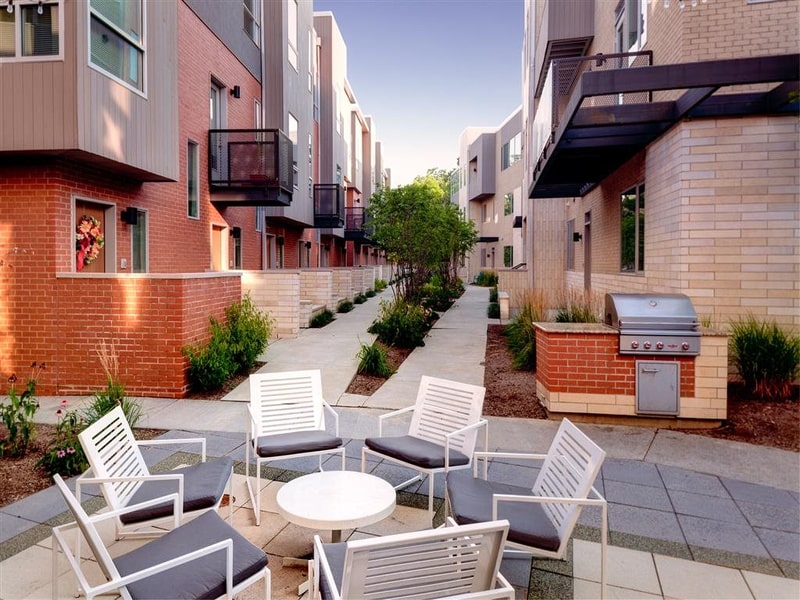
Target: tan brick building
column 692, row 108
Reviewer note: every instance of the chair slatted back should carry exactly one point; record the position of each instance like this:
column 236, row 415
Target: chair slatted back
column 443, row 406
column 436, row 563
column 569, row 471
column 112, row 451
column 89, row 531
column 286, row 402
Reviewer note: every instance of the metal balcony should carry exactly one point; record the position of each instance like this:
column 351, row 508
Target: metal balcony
column 328, row 206
column 250, row 167
column 356, row 225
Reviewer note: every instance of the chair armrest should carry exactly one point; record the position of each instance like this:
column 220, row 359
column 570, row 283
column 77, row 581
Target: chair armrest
column 323, row 569
column 497, row 498
column 198, row 440
column 391, row 414
column 487, row 456
column 329, row 409
column 462, row 431
column 153, row 477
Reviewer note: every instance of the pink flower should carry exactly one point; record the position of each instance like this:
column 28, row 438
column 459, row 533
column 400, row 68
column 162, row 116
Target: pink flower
column 58, row 412
column 61, row 454
column 64, row 402
column 70, row 450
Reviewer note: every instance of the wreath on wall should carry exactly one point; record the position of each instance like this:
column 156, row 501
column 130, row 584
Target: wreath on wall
column 89, row 241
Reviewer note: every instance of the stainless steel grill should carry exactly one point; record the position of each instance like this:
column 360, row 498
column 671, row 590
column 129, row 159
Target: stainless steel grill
column 663, row 324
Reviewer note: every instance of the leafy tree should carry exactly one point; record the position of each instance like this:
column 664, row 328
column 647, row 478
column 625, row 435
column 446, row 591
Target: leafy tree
column 421, row 231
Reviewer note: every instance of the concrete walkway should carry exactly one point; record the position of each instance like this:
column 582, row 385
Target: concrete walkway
column 689, row 510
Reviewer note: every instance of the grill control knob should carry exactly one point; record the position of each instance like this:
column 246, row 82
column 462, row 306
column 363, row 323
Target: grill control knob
column 685, row 346
column 634, row 344
column 659, row 345
column 647, row 345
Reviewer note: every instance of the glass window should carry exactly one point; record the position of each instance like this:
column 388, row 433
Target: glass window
column 116, row 44
column 571, row 245
column 139, row 244
column 30, row 30
column 261, row 214
column 511, row 151
column 252, row 19
column 508, row 256
column 508, row 204
column 292, row 33
column 237, row 252
column 293, row 137
column 192, row 181
column 632, row 230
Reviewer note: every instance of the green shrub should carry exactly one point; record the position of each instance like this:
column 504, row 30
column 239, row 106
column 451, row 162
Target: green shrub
column 211, row 365
column 486, row 278
column 106, row 400
column 766, row 357
column 400, row 323
column 493, row 310
column 249, row 330
column 65, row 456
column 321, row 319
column 380, row 285
column 370, row 294
column 359, row 299
column 18, row 414
column 345, row 306
column 576, row 306
column 520, row 333
column 373, row 360
column 493, row 294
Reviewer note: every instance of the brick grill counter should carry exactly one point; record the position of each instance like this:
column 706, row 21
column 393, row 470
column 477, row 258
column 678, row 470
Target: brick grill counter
column 579, row 370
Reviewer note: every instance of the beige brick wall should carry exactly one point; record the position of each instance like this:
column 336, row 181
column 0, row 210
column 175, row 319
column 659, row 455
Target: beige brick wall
column 342, row 285
column 316, row 286
column 277, row 293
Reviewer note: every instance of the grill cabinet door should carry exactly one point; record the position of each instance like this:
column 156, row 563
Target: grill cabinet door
column 657, row 387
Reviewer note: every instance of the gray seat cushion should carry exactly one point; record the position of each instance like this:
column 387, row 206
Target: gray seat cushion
column 415, row 451
column 203, row 485
column 297, row 442
column 201, row 578
column 471, row 502
column 335, row 554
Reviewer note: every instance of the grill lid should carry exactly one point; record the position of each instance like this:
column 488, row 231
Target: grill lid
column 655, row 312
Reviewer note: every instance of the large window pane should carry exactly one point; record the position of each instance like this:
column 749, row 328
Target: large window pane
column 40, row 32
column 126, row 15
column 7, row 28
column 115, row 39
column 192, row 181
column 632, row 230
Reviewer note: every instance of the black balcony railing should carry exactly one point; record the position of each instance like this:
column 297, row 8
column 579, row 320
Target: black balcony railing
column 356, row 224
column 328, row 205
column 251, row 160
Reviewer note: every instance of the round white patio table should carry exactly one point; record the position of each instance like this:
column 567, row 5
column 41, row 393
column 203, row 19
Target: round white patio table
column 336, row 500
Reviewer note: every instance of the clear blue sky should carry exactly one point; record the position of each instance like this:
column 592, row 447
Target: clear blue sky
column 427, row 69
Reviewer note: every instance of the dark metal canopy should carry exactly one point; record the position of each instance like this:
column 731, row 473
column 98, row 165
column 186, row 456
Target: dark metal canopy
column 588, row 143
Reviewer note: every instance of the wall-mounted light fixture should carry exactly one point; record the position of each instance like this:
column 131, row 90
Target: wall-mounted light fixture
column 40, row 8
column 236, row 232
column 10, row 6
column 280, row 241
column 236, row 91
column 130, row 215
column 308, row 245
column 577, row 236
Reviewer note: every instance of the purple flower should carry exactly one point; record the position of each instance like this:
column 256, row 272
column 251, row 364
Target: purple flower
column 61, row 454
column 70, row 450
column 64, row 402
column 58, row 412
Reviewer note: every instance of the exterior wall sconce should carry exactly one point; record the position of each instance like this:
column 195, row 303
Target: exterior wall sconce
column 236, row 91
column 577, row 236
column 130, row 215
column 236, row 232
column 280, row 241
column 308, row 245
column 10, row 6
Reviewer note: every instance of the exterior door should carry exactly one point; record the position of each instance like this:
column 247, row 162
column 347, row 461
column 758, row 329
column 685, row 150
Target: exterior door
column 90, row 226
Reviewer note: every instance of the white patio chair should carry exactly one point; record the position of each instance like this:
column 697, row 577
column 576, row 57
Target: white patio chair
column 543, row 518
column 450, row 562
column 287, row 420
column 442, row 433
column 116, row 464
column 203, row 558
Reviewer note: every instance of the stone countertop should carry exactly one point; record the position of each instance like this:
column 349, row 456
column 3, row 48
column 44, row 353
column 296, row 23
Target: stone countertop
column 575, row 328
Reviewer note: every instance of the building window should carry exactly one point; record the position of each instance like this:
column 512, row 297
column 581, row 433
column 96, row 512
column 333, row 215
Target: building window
column 261, row 215
column 632, row 232
column 192, row 181
column 511, row 152
column 293, row 137
column 508, row 256
column 30, row 31
column 508, row 204
column 237, row 252
column 252, row 20
column 338, row 174
column 292, row 33
column 139, row 243
column 631, row 25
column 116, row 40
column 571, row 245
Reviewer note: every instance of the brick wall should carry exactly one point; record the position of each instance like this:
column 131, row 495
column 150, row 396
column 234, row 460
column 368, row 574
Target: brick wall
column 342, row 284
column 316, row 286
column 277, row 293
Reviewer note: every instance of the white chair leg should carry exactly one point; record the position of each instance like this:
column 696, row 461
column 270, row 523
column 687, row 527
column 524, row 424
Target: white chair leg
column 430, row 498
column 603, row 546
